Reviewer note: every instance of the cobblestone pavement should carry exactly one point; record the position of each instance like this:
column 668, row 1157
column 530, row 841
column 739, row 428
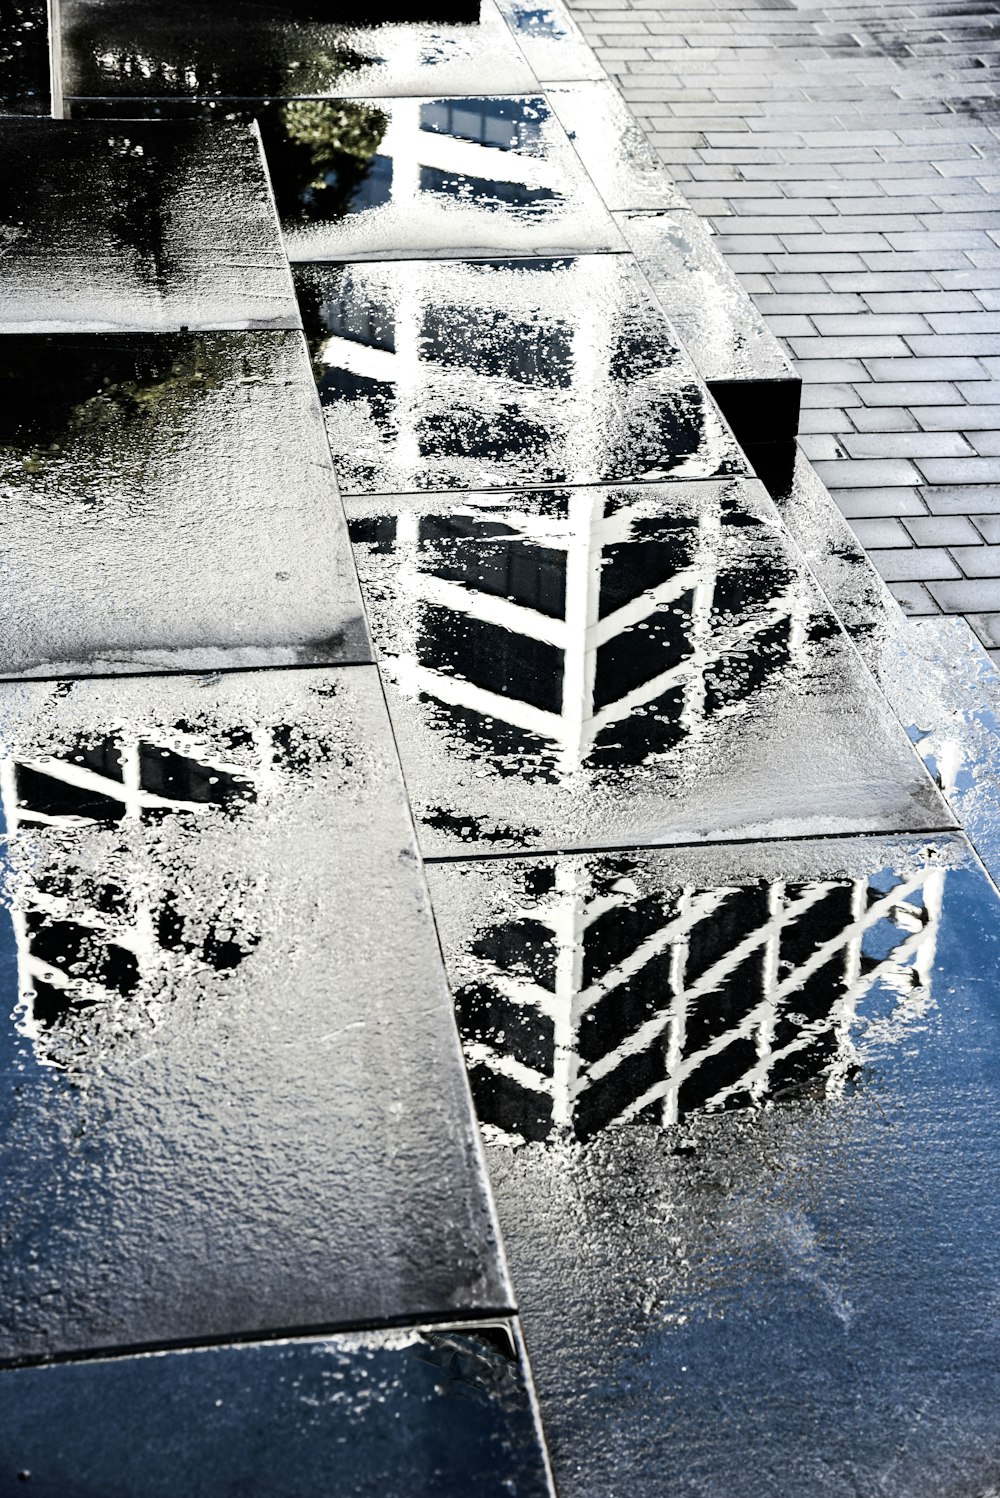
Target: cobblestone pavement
column 848, row 159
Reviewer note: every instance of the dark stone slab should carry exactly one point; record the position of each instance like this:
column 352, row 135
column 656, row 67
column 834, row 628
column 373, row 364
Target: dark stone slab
column 224, row 1001
column 369, row 1414
column 145, row 227
column 778, row 1299
column 24, row 58
column 621, row 667
column 487, row 374
column 281, row 48
column 551, row 41
column 729, row 342
column 612, row 147
column 360, row 179
column 168, row 504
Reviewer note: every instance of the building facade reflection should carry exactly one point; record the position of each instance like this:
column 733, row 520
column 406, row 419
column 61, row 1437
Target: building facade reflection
column 607, row 1000
column 442, row 374
column 580, row 630
column 99, row 941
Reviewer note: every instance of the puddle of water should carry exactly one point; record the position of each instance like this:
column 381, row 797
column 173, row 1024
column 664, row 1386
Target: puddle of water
column 621, row 667
column 213, row 926
column 487, row 374
column 782, row 1280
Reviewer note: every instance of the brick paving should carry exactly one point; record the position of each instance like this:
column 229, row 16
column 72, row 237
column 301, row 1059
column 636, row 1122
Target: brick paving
column 848, row 159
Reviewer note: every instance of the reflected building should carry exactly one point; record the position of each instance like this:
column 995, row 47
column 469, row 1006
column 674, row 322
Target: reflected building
column 91, row 937
column 444, row 374
column 570, row 631
column 608, row 999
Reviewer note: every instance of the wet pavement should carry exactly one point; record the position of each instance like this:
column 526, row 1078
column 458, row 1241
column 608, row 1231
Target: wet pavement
column 425, row 707
column 492, row 373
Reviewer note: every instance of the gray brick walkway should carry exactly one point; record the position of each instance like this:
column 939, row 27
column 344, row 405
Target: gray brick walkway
column 848, row 159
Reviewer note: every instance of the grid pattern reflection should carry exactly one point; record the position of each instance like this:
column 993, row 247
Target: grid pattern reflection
column 605, row 1002
column 100, row 941
column 591, row 624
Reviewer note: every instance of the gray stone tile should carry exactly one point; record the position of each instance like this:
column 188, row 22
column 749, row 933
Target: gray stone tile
column 651, row 999
column 987, row 627
column 885, row 392
column 875, row 473
column 162, row 226
column 612, row 147
column 913, row 598
column 986, row 443
column 916, row 445
column 359, row 179
column 962, row 499
column 224, row 998
column 968, row 470
column 943, row 530
column 978, row 561
column 989, row 526
column 551, row 41
column 615, row 667
column 881, row 532
column 731, row 346
column 458, row 374
column 967, row 418
column 916, row 563
column 180, row 48
column 975, row 596
column 445, row 1408
column 169, row 505
column 882, row 419
column 873, row 502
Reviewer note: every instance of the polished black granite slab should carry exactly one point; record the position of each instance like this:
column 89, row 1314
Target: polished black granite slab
column 603, row 667
column 24, row 58
column 224, row 999
column 168, row 504
column 732, row 348
column 144, row 227
column 361, row 179
column 613, row 147
column 391, row 178
column 551, row 41
column 281, row 49
column 464, row 374
column 788, row 1293
column 367, row 1414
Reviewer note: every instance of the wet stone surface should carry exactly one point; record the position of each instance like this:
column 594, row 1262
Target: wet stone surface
column 181, row 48
column 551, row 41
column 732, row 347
column 488, row 374
column 223, row 997
column 393, row 178
column 625, row 1020
column 364, row 1415
column 605, row 667
column 612, row 147
column 169, row 503
column 24, row 58
column 139, row 227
